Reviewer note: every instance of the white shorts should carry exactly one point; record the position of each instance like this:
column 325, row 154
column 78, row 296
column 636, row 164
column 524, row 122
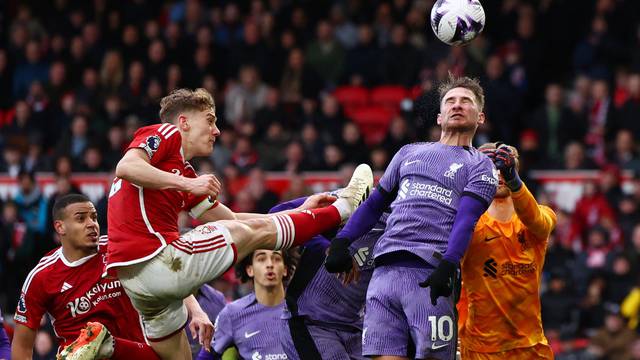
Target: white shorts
column 157, row 287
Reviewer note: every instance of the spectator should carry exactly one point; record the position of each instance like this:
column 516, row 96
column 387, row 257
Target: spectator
column 621, row 279
column 575, row 158
column 558, row 305
column 32, row 69
column 555, row 124
column 325, row 55
column 264, row 199
column 245, row 98
column 400, row 72
column 32, row 205
column 358, row 65
column 355, row 150
column 614, row 339
column 298, row 80
column 624, row 153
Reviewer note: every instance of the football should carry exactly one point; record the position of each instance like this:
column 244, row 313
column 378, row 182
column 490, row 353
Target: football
column 456, row 22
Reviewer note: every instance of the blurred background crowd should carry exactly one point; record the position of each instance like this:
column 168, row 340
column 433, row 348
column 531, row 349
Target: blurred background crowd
column 322, row 85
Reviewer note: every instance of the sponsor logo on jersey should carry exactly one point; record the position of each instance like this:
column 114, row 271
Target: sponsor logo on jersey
column 257, row 356
column 431, row 191
column 490, row 268
column 453, row 169
column 251, row 334
column 493, row 269
column 99, row 292
column 361, row 256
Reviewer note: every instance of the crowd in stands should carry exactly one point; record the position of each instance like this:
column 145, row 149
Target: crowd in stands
column 321, row 85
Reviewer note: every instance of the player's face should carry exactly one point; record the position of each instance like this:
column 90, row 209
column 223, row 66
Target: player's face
column 503, row 191
column 202, row 131
column 267, row 268
column 459, row 111
column 80, row 227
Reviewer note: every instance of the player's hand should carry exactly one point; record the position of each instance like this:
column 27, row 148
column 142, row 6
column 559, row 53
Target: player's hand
column 338, row 258
column 206, row 184
column 201, row 329
column 317, row 201
column 441, row 280
column 505, row 161
column 491, row 153
column 352, row 276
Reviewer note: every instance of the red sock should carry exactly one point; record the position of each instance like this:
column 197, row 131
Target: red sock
column 127, row 349
column 297, row 228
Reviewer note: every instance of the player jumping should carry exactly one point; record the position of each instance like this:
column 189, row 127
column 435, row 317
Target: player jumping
column 157, row 266
column 437, row 191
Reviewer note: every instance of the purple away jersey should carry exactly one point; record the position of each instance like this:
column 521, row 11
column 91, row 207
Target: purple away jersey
column 429, row 179
column 322, row 317
column 251, row 327
column 324, row 299
column 5, row 345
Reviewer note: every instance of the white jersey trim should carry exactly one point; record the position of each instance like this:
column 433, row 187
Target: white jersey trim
column 77, row 262
column 43, row 264
column 135, row 261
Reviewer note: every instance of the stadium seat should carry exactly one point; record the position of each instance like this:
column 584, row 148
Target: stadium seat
column 373, row 122
column 389, row 96
column 352, row 97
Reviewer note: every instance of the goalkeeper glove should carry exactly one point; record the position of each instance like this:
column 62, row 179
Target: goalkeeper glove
column 338, row 259
column 441, row 280
column 505, row 161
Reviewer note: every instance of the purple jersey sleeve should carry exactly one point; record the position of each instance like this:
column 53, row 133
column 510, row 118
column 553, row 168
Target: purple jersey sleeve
column 391, row 176
column 5, row 345
column 205, row 355
column 483, row 180
column 223, row 335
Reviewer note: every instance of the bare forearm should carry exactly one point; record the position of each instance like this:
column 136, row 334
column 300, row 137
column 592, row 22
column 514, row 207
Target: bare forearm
column 23, row 340
column 141, row 173
column 192, row 305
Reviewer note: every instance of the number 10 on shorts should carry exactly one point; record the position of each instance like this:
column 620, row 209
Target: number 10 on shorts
column 438, row 324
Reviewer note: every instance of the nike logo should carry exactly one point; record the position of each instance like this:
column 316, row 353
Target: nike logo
column 407, row 163
column 436, row 347
column 487, row 239
column 248, row 335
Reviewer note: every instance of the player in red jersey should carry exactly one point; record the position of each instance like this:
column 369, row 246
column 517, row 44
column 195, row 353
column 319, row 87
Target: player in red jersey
column 156, row 265
column 67, row 284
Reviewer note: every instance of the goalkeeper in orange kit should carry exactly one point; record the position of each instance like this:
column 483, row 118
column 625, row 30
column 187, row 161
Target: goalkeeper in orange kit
column 501, row 271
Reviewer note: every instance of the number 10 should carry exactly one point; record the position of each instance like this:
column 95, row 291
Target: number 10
column 437, row 328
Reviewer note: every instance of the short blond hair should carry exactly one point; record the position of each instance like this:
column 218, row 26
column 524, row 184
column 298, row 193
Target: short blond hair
column 471, row 84
column 181, row 100
column 497, row 144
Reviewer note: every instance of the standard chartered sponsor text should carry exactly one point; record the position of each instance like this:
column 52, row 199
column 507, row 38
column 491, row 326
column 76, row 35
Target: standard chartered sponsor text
column 431, row 191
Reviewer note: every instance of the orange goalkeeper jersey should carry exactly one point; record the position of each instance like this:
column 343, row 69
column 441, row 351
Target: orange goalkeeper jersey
column 501, row 271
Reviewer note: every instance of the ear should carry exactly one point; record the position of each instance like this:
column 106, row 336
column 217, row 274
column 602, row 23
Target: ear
column 481, row 118
column 58, row 226
column 183, row 122
column 249, row 270
column 439, row 119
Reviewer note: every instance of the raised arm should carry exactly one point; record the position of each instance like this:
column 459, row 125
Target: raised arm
column 540, row 220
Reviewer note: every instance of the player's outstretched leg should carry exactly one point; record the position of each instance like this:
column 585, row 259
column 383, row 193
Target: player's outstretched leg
column 288, row 230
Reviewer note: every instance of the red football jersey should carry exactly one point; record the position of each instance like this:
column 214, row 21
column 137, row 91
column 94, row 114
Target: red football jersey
column 143, row 221
column 73, row 293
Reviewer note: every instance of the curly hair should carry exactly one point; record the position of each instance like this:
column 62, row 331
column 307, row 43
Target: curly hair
column 289, row 256
column 181, row 100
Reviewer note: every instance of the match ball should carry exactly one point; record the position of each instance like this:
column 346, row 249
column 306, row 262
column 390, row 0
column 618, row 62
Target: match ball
column 456, row 22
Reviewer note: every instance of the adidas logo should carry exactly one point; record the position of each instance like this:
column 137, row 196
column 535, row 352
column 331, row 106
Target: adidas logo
column 65, row 286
